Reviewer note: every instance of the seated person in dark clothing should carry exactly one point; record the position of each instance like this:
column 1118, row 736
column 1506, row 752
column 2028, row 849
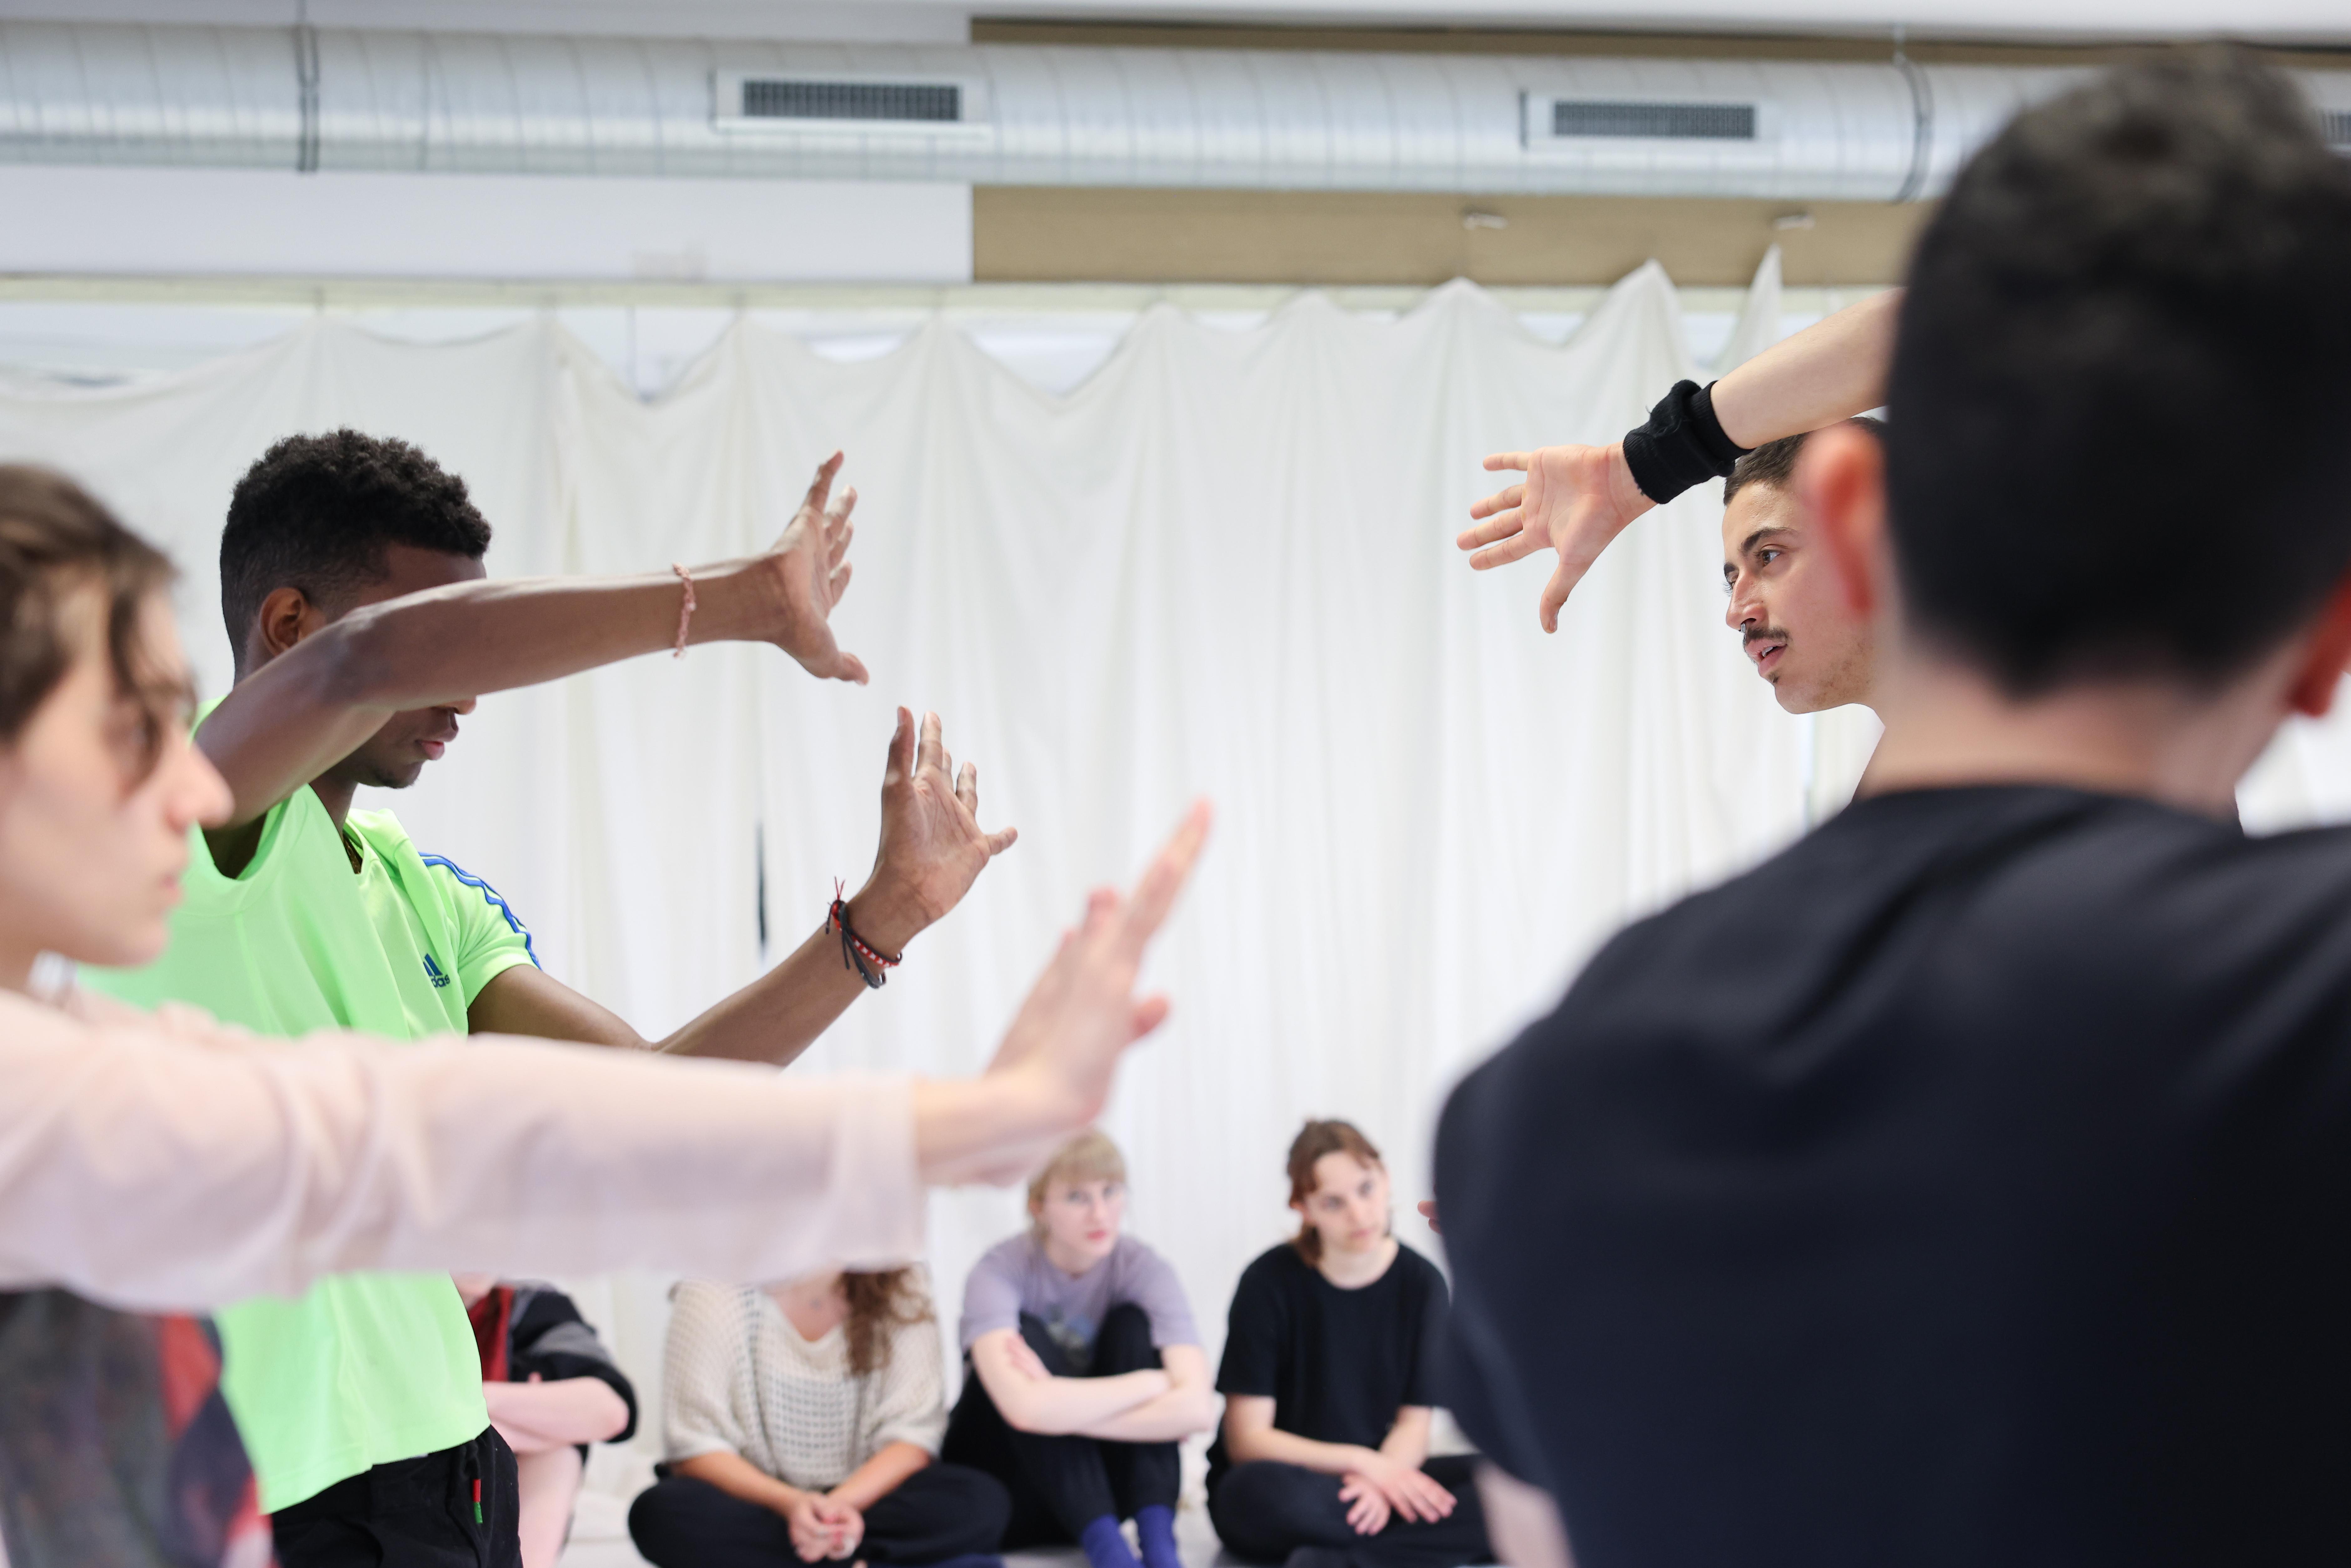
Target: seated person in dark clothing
column 552, row 1389
column 1084, row 1371
column 801, row 1421
column 1327, row 1378
column 1970, row 1183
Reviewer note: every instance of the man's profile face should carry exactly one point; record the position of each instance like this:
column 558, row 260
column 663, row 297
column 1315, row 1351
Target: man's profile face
column 394, row 755
column 1792, row 620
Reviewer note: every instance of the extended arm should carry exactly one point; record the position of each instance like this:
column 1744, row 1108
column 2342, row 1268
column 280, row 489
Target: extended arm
column 335, row 683
column 1577, row 499
column 932, row 850
column 537, row 1416
column 1030, row 1400
column 174, row 1166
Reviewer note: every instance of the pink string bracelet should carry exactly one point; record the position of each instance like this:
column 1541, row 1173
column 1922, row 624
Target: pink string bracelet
column 685, row 610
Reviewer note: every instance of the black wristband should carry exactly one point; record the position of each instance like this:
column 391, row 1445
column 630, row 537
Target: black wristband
column 1683, row 445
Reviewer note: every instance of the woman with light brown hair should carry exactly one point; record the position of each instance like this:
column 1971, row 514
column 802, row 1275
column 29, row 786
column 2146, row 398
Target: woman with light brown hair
column 1329, row 1385
column 802, row 1423
column 1084, row 1369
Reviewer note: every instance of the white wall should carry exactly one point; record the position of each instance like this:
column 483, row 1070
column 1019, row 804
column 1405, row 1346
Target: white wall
column 329, row 224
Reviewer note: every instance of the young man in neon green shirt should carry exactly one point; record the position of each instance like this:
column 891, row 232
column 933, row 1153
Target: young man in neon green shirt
column 361, row 1403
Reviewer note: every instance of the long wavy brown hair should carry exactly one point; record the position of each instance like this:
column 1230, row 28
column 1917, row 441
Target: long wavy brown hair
column 879, row 1302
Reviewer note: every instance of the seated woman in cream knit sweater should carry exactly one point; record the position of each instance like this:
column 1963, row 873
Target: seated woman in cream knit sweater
column 803, row 1422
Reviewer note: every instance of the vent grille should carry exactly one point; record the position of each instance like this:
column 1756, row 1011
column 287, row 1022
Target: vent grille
column 1686, row 121
column 928, row 103
column 2336, row 124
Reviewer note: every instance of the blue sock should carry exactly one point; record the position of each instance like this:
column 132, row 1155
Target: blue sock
column 1157, row 1528
column 1107, row 1545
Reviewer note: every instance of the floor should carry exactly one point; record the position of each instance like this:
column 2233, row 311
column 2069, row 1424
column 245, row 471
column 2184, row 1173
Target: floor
column 600, row 1539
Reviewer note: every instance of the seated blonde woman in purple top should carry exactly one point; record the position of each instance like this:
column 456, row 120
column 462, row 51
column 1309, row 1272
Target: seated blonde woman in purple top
column 1085, row 1371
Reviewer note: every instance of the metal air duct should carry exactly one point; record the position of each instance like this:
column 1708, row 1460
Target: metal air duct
column 339, row 99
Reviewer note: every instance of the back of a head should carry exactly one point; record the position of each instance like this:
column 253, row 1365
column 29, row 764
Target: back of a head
column 2118, row 394
column 318, row 512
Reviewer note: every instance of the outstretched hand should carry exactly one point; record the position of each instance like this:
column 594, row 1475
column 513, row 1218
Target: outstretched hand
column 1058, row 1056
column 1575, row 500
column 933, row 848
column 812, row 572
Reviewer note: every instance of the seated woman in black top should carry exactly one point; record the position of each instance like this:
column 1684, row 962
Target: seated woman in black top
column 1323, row 1459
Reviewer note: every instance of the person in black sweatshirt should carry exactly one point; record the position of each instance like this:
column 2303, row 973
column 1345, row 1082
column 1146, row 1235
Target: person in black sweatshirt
column 1971, row 1182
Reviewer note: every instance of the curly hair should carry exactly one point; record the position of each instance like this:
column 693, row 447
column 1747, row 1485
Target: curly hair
column 317, row 513
column 878, row 1302
column 55, row 539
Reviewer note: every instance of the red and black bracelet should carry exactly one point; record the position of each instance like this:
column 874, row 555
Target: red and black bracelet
column 872, row 964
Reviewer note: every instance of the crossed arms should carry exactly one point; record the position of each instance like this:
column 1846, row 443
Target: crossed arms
column 1153, row 1406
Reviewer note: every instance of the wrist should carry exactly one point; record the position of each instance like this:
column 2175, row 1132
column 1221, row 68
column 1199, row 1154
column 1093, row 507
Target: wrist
column 737, row 601
column 887, row 916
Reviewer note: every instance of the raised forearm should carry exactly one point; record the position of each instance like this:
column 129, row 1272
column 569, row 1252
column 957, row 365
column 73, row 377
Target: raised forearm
column 1833, row 370
column 307, row 710
column 880, row 1476
column 738, row 1478
column 779, row 1014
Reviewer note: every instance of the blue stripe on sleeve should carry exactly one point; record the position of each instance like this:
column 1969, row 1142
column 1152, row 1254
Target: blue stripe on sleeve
column 496, row 899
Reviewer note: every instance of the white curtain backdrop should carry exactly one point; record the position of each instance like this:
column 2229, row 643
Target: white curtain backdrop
column 1221, row 565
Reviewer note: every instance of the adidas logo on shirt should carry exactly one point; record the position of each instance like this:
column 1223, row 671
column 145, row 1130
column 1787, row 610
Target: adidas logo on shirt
column 432, row 972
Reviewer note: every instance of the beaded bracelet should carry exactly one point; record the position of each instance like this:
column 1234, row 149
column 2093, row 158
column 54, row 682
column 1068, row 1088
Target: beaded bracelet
column 872, row 965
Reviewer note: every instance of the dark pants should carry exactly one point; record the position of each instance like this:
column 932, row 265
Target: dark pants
column 1060, row 1485
column 939, row 1511
column 1266, row 1511
column 411, row 1513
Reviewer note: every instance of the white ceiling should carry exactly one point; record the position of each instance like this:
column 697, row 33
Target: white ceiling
column 914, row 20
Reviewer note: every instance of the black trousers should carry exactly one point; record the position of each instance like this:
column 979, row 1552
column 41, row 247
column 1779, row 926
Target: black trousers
column 411, row 1513
column 1060, row 1485
column 939, row 1511
column 1265, row 1511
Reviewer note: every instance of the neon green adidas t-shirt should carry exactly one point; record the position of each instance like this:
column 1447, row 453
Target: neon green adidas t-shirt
column 365, row 1368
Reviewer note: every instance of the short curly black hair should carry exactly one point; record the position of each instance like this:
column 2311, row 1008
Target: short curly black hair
column 317, row 512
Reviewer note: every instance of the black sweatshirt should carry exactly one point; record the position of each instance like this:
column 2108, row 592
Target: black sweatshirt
column 1970, row 1184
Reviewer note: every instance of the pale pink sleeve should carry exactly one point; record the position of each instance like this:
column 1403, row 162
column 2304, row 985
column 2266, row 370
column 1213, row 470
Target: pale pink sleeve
column 173, row 1163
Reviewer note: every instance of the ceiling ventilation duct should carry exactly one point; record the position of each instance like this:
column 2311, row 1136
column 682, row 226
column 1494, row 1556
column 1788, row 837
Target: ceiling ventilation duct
column 340, row 99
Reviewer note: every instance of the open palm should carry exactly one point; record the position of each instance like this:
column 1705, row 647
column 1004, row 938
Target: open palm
column 932, row 847
column 813, row 559
column 1575, row 500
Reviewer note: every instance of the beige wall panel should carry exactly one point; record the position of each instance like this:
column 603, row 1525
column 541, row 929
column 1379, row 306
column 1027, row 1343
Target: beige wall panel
column 1065, row 234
